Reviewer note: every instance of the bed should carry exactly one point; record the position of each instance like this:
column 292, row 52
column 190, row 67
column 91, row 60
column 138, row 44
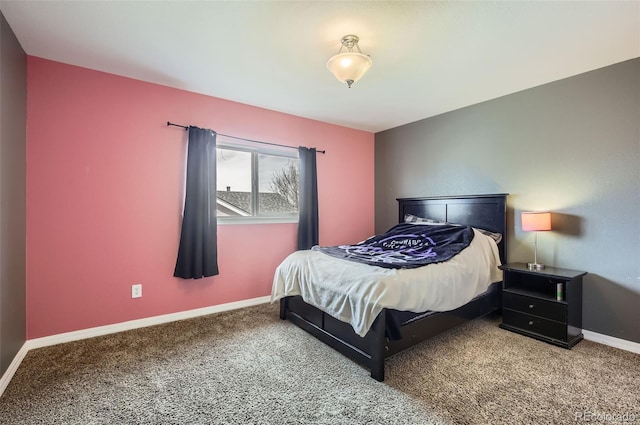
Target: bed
column 393, row 331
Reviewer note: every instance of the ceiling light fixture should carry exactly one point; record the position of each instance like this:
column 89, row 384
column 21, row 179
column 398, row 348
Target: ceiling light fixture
column 350, row 66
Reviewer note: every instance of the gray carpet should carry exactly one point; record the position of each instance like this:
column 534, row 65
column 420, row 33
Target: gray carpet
column 249, row 367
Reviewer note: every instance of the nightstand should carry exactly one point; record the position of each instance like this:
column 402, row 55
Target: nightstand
column 544, row 304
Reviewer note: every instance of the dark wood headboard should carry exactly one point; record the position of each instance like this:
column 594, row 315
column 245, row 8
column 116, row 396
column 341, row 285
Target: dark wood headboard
column 487, row 212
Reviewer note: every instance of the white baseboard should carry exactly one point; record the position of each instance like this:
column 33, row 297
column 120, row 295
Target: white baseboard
column 119, row 327
column 11, row 370
column 611, row 341
column 141, row 323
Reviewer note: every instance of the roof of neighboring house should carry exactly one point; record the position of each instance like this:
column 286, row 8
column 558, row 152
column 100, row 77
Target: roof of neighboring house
column 269, row 202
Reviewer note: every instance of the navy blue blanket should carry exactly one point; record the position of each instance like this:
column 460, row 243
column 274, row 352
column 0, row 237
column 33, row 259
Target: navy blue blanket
column 406, row 246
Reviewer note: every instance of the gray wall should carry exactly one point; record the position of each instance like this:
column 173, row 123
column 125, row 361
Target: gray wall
column 571, row 147
column 13, row 183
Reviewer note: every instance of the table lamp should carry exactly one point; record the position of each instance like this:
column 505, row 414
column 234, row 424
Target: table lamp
column 535, row 222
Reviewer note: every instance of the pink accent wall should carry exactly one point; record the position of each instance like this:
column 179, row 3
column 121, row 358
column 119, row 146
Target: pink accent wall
column 104, row 193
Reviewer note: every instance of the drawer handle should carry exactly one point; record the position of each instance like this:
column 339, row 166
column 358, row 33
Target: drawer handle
column 530, row 322
column 531, row 305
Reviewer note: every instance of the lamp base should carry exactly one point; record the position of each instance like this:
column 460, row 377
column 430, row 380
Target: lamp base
column 535, row 266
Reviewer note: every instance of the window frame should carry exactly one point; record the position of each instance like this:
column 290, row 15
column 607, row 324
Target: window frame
column 256, row 149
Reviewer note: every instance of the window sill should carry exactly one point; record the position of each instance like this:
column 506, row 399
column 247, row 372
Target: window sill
column 257, row 220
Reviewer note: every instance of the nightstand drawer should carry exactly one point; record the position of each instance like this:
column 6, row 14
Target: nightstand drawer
column 548, row 309
column 535, row 324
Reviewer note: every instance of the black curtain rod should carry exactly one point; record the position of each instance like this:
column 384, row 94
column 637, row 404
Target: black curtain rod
column 186, row 127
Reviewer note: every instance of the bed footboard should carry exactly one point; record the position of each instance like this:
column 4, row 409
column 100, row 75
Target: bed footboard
column 369, row 351
column 372, row 349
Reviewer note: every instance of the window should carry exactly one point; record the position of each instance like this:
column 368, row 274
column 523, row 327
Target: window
column 256, row 184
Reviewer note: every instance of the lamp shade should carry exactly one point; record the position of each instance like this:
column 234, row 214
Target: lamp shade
column 535, row 221
column 349, row 67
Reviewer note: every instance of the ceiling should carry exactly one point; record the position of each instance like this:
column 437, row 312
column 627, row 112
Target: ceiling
column 428, row 57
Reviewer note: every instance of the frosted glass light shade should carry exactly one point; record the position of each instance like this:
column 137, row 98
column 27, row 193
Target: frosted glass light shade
column 535, row 221
column 349, row 67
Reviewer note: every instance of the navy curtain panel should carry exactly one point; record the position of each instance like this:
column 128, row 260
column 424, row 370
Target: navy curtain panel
column 198, row 251
column 308, row 205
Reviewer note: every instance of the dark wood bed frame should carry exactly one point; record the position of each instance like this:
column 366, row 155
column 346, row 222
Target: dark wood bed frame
column 483, row 211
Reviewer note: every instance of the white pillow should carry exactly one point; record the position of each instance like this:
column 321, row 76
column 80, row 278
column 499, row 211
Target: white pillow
column 414, row 219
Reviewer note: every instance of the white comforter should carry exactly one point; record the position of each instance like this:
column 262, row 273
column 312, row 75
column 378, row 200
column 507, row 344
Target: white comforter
column 355, row 293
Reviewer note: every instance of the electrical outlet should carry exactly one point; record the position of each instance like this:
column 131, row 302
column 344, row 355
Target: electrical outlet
column 136, row 290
